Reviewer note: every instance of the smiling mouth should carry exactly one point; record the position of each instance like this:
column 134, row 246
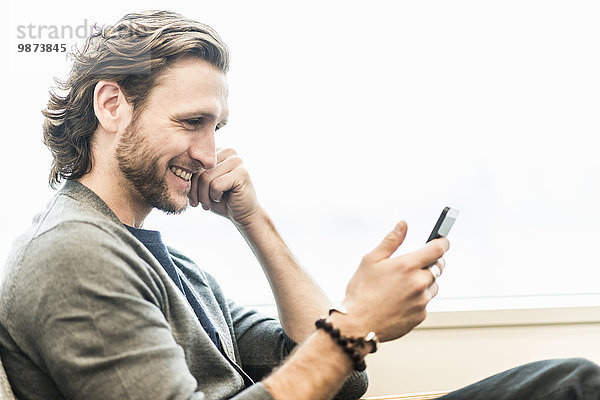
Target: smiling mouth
column 185, row 175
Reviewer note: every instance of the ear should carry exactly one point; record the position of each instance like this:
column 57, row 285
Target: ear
column 110, row 106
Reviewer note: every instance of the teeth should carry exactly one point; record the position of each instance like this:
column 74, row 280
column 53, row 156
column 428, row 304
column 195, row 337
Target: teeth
column 182, row 174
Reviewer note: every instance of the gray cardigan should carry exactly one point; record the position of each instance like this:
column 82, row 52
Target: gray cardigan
column 86, row 312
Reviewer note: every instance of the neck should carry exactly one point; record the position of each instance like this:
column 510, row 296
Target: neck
column 119, row 197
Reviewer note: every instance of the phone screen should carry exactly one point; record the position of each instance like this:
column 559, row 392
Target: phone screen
column 444, row 223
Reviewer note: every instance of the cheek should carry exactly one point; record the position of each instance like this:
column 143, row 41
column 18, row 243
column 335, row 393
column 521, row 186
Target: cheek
column 167, row 140
column 167, row 144
column 176, row 147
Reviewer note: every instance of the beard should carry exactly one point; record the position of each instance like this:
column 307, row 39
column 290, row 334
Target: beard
column 138, row 162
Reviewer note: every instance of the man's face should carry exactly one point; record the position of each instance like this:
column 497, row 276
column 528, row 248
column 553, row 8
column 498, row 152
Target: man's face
column 173, row 137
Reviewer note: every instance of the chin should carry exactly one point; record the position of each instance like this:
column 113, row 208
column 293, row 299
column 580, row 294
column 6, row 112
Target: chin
column 173, row 204
column 171, row 209
column 180, row 207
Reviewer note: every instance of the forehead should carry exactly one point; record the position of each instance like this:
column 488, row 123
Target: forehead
column 191, row 85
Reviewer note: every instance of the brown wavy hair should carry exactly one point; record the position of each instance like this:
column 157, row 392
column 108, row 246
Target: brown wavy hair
column 133, row 53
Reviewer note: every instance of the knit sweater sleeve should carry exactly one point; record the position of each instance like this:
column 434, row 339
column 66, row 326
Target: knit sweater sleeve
column 263, row 345
column 88, row 313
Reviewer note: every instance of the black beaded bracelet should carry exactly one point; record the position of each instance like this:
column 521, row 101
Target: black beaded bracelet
column 349, row 344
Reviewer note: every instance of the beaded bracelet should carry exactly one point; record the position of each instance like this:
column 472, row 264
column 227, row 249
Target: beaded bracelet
column 349, row 344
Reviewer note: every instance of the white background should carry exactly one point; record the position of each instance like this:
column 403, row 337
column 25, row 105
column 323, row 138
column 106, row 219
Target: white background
column 351, row 116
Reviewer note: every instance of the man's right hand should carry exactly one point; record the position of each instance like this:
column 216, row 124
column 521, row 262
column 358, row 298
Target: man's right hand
column 386, row 295
column 389, row 295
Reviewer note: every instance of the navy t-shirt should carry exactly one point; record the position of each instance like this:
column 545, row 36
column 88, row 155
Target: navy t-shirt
column 153, row 242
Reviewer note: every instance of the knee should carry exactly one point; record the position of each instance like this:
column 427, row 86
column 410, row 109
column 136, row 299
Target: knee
column 589, row 365
column 578, row 377
column 582, row 364
column 581, row 370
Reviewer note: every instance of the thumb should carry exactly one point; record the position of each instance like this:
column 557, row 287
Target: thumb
column 390, row 243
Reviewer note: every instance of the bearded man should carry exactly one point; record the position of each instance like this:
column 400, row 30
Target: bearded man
column 94, row 306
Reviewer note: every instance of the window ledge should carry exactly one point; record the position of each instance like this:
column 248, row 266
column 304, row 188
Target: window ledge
column 516, row 317
column 449, row 313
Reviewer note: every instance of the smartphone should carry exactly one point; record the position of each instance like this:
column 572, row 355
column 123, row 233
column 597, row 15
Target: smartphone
column 444, row 223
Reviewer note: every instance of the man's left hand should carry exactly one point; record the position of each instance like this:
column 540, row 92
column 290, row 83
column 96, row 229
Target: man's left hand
column 225, row 189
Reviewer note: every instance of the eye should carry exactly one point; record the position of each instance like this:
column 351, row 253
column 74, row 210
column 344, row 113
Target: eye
column 196, row 123
column 193, row 123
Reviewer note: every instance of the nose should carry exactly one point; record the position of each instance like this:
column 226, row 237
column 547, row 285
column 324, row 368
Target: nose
column 202, row 149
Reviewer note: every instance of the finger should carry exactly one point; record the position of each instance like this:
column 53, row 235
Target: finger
column 223, row 154
column 429, row 254
column 222, row 184
column 193, row 194
column 441, row 263
column 204, row 180
column 432, row 291
column 389, row 244
column 207, row 192
column 227, row 160
column 433, row 273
